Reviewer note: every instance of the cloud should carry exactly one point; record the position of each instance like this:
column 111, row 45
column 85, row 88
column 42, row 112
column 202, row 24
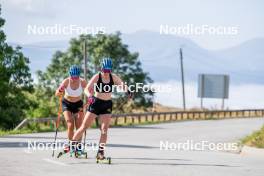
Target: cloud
column 33, row 8
column 240, row 96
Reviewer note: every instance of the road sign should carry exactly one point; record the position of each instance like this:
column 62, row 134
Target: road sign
column 213, row 86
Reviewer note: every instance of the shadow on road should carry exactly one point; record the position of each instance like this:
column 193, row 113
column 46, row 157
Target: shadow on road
column 31, row 137
column 139, row 127
column 154, row 159
column 131, row 146
column 22, row 144
column 114, row 162
column 25, row 145
column 174, row 164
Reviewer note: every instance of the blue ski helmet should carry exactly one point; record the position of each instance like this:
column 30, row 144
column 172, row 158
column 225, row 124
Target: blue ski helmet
column 74, row 70
column 106, row 64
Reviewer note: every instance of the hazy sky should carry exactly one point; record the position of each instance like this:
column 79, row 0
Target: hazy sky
column 134, row 15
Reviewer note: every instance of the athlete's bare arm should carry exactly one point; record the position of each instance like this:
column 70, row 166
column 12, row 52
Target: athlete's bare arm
column 60, row 89
column 89, row 89
column 83, row 83
column 119, row 81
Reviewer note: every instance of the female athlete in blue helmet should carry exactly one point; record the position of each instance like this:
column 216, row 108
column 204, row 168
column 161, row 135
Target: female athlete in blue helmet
column 72, row 88
column 99, row 98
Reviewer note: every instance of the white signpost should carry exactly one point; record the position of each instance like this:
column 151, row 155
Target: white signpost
column 213, row 86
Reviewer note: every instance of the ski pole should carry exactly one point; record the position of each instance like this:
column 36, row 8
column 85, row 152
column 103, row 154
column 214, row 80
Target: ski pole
column 57, row 123
column 84, row 139
column 84, row 109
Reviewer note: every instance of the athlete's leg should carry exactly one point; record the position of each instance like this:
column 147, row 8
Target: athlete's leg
column 87, row 122
column 78, row 119
column 105, row 120
column 70, row 123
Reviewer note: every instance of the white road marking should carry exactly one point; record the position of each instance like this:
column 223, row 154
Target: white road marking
column 27, row 151
column 55, row 162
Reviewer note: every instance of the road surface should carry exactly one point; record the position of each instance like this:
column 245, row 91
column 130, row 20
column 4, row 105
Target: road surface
column 137, row 151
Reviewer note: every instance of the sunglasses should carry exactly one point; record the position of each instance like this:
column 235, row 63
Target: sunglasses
column 74, row 77
column 106, row 70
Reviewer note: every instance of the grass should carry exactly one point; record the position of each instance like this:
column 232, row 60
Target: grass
column 9, row 132
column 33, row 128
column 256, row 139
column 24, row 131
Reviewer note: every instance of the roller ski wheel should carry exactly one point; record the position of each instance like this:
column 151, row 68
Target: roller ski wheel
column 103, row 160
column 60, row 154
column 65, row 150
column 80, row 154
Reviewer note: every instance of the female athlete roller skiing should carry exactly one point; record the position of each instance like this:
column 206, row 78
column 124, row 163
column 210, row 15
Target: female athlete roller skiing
column 100, row 103
column 72, row 88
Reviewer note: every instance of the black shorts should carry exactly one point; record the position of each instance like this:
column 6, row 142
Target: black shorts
column 100, row 106
column 73, row 107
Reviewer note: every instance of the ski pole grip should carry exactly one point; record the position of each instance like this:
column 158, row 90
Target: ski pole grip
column 61, row 88
column 91, row 100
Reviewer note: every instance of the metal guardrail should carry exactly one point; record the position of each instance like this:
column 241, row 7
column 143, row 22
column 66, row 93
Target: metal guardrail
column 152, row 117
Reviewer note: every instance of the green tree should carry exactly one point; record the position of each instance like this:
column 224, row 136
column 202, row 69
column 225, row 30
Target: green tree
column 125, row 64
column 15, row 82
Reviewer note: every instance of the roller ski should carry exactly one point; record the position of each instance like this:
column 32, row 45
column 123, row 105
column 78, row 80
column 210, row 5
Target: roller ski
column 65, row 151
column 78, row 151
column 101, row 159
column 80, row 154
column 75, row 151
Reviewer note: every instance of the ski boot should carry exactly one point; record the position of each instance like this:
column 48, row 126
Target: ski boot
column 79, row 151
column 66, row 149
column 101, row 159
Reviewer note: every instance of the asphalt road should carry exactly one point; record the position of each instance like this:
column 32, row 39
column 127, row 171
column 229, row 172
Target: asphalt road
column 137, row 151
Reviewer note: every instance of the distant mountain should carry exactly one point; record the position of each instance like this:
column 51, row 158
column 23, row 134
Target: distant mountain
column 249, row 53
column 159, row 55
column 40, row 53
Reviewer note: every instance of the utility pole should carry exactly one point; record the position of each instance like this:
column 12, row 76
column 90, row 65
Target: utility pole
column 85, row 60
column 223, row 104
column 182, row 80
column 85, row 78
column 85, row 73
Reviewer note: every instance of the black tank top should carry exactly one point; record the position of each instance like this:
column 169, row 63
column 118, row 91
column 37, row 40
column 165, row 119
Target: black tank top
column 104, row 87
